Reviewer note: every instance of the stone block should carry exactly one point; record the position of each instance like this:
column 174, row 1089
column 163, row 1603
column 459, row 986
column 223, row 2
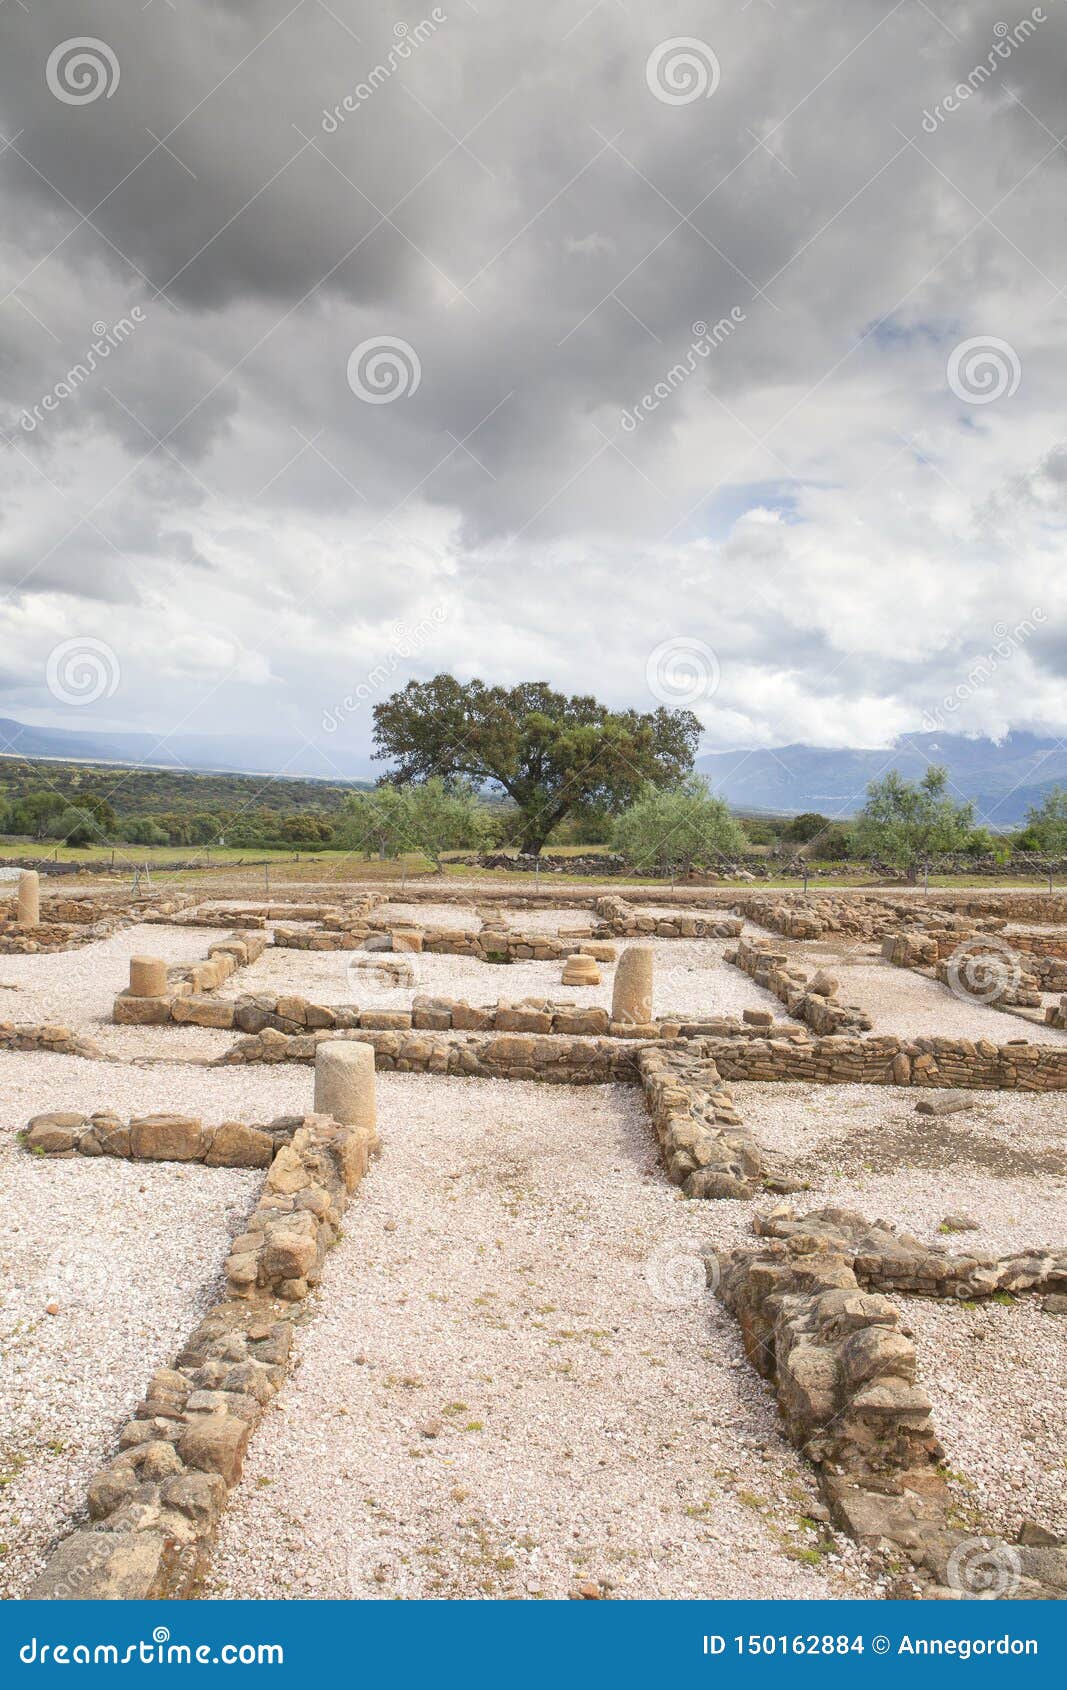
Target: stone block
column 167, row 1138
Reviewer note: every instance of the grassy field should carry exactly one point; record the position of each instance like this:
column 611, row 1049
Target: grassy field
column 266, row 870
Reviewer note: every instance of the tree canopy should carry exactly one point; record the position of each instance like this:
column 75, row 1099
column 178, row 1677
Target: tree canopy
column 672, row 831
column 906, row 822
column 432, row 818
column 551, row 754
column 1047, row 824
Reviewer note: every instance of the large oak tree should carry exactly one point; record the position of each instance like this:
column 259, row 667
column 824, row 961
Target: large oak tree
column 551, row 754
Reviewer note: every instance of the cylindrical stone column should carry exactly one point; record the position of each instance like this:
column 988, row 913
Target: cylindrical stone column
column 631, row 996
column 29, row 909
column 344, row 1083
column 148, row 977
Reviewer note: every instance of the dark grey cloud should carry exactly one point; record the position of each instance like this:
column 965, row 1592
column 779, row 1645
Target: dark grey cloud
column 676, row 370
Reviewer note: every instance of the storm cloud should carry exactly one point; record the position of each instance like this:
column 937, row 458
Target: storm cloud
column 344, row 340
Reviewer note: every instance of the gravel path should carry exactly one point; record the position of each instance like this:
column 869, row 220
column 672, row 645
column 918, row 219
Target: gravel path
column 127, row 1255
column 997, row 1379
column 514, row 1381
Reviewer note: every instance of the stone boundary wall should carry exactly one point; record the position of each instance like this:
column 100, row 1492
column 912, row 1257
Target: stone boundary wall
column 888, row 1061
column 60, row 1041
column 288, row 1013
column 261, row 915
column 68, row 924
column 811, row 999
column 844, row 1368
column 1022, row 992
column 621, row 920
column 504, row 1056
column 154, row 1508
column 190, row 988
column 706, row 1148
column 885, row 1060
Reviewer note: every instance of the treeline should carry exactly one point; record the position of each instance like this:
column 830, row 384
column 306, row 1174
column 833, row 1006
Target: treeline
column 76, row 804
column 171, row 792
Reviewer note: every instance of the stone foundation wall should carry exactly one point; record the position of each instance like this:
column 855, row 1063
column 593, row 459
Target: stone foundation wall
column 190, row 988
column 154, row 1508
column 506, row 1056
column 844, row 1368
column 621, row 920
column 889, row 1061
column 706, row 1147
column 292, row 1014
column 1018, row 991
column 811, row 999
column 28, row 1035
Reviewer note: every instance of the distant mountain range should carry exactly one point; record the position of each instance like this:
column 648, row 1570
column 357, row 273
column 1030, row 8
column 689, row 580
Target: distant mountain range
column 1004, row 780
column 227, row 753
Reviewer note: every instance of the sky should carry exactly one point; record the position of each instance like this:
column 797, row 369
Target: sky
column 697, row 354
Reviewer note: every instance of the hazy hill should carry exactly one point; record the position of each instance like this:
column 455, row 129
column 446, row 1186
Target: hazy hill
column 1003, row 780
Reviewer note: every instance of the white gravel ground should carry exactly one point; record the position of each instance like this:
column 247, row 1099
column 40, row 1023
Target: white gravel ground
column 866, row 1148
column 997, row 1380
column 908, row 1004
column 129, row 1254
column 689, row 976
column 78, row 988
column 32, row 1082
column 514, row 1380
column 517, row 1277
